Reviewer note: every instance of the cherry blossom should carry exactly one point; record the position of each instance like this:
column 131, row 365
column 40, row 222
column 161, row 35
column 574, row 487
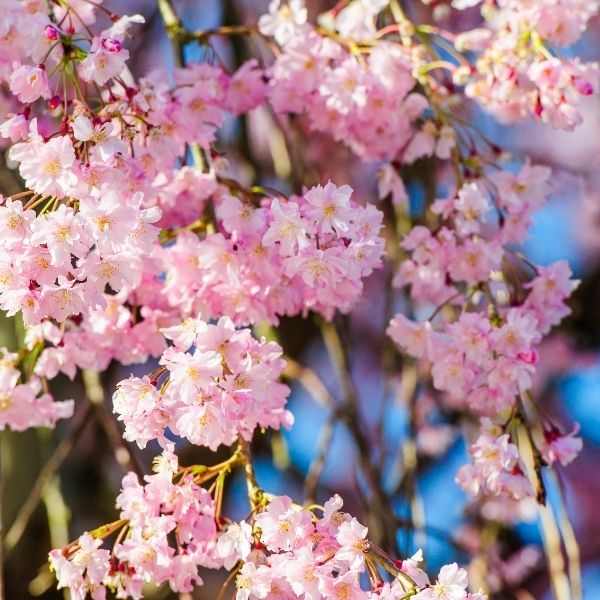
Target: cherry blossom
column 139, row 234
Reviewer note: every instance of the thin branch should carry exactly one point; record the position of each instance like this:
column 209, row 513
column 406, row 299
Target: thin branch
column 95, row 393
column 554, row 557
column 381, row 513
column 179, row 36
column 316, row 466
column 45, row 477
column 310, row 381
column 174, row 29
column 570, row 542
column 254, row 490
column 549, row 528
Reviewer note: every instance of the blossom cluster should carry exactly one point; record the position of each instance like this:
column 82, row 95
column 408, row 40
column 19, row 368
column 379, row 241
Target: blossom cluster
column 58, row 264
column 83, row 261
column 518, row 73
column 283, row 257
column 78, row 247
column 467, row 246
column 309, row 557
column 224, row 388
column 483, row 357
column 367, row 105
column 21, row 404
column 487, row 361
column 170, row 525
column 496, row 467
column 154, row 515
column 137, row 237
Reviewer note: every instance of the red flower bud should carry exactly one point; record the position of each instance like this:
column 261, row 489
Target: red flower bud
column 112, row 45
column 51, row 32
column 54, row 102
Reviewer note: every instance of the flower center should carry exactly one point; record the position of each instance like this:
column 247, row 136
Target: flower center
column 62, row 233
column 107, row 270
column 285, row 526
column 103, row 223
column 343, row 591
column 14, row 221
column 329, row 210
column 99, row 137
column 286, row 229
column 52, row 167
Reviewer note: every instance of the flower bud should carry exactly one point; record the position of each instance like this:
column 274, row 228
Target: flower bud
column 112, row 45
column 585, row 88
column 51, row 33
column 54, row 102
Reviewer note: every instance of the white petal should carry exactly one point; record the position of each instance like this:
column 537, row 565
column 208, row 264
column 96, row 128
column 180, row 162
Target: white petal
column 83, row 129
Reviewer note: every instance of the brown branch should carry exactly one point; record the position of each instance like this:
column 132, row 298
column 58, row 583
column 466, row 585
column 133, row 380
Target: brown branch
column 179, row 36
column 45, row 477
column 316, row 466
column 95, row 393
column 310, row 381
column 254, row 490
column 381, row 514
column 570, row 542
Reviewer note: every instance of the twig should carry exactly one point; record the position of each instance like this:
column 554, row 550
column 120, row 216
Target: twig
column 570, row 542
column 123, row 455
column 553, row 551
column 174, row 29
column 254, row 490
column 550, row 532
column 57, row 513
column 45, row 477
column 95, row 393
column 227, row 581
column 538, row 461
column 179, row 35
column 310, row 381
column 316, row 466
column 381, row 513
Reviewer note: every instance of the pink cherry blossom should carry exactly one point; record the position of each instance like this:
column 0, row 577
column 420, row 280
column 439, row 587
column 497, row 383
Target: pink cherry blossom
column 29, row 83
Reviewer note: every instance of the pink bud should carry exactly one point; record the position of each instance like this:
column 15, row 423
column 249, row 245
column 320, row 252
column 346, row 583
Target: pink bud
column 585, row 88
column 552, row 433
column 51, row 32
column 54, row 102
column 531, row 357
column 539, row 108
column 112, row 45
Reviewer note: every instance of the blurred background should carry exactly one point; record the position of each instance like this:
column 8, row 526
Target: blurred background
column 87, row 459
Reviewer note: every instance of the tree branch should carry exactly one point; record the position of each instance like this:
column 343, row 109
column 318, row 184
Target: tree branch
column 381, row 515
column 45, row 477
